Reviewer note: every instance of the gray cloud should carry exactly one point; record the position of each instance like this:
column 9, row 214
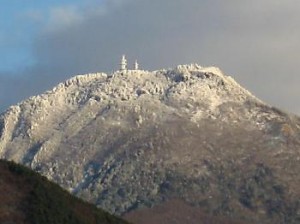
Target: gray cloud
column 256, row 42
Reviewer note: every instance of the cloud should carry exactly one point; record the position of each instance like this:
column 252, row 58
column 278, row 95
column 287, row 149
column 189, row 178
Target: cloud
column 257, row 42
column 63, row 17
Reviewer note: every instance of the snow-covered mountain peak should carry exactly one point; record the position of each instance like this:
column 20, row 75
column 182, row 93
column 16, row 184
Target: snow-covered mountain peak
column 136, row 138
column 191, row 90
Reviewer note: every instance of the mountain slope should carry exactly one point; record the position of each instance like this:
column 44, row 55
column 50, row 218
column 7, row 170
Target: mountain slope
column 27, row 197
column 136, row 139
column 177, row 212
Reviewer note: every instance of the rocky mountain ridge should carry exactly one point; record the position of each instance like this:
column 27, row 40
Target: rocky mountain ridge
column 135, row 139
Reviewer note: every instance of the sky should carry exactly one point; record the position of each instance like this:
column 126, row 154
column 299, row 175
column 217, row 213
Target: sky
column 45, row 42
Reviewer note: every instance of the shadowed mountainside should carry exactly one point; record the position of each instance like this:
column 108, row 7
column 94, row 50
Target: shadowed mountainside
column 177, row 212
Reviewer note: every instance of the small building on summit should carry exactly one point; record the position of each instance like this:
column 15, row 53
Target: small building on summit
column 123, row 64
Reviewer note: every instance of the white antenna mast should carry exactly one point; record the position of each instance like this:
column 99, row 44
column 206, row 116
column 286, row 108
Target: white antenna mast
column 123, row 64
column 136, row 65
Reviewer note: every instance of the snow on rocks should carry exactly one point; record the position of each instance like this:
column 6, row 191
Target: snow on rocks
column 126, row 99
column 192, row 90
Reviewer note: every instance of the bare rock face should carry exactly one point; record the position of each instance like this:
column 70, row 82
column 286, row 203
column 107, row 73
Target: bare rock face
column 135, row 139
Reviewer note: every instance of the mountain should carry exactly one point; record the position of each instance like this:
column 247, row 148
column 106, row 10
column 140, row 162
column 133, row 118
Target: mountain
column 134, row 140
column 178, row 212
column 27, row 197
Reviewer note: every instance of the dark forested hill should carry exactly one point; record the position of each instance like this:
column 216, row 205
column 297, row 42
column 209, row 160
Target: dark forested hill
column 27, row 197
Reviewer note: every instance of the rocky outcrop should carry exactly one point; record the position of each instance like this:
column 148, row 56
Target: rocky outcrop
column 135, row 139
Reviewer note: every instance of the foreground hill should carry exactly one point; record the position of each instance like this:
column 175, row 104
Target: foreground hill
column 27, row 197
column 137, row 139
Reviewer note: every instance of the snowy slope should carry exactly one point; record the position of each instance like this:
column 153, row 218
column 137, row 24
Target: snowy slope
column 136, row 138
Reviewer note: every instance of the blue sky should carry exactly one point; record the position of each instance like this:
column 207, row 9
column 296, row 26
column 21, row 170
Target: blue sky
column 20, row 22
column 45, row 42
